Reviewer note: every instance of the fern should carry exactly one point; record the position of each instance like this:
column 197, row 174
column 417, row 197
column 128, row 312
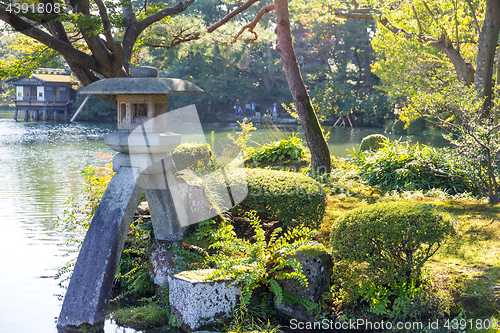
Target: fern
column 258, row 263
column 294, row 299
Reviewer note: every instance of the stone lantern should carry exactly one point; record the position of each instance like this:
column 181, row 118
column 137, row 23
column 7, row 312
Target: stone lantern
column 143, row 164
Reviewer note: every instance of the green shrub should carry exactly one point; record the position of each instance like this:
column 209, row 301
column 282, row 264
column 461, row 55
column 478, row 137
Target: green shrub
column 399, row 127
column 286, row 149
column 394, row 239
column 292, row 198
column 192, row 156
column 289, row 197
column 416, row 127
column 372, row 142
column 402, row 167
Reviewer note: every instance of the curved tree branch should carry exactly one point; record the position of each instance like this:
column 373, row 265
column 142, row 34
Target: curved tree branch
column 232, row 14
column 251, row 25
column 134, row 29
column 95, row 43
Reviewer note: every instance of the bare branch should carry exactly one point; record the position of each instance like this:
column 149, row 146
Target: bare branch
column 232, row 14
column 251, row 25
column 476, row 24
column 420, row 31
column 168, row 11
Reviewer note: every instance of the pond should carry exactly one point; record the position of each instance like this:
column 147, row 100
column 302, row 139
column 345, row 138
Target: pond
column 40, row 167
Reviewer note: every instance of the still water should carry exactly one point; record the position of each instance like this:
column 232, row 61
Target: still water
column 40, row 166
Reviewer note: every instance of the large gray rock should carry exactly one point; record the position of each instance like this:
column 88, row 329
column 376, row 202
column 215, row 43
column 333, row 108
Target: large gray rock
column 317, row 267
column 196, row 302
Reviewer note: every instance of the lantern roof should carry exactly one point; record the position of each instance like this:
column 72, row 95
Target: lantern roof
column 143, row 81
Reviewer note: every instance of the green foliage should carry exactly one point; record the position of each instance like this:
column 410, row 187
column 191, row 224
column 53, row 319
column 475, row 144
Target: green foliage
column 132, row 275
column 372, row 142
column 257, row 263
column 394, row 239
column 398, row 127
column 416, row 126
column 192, row 156
column 240, row 141
column 285, row 149
column 356, row 296
column 150, row 315
column 291, row 198
column 77, row 219
column 476, row 139
column 403, row 167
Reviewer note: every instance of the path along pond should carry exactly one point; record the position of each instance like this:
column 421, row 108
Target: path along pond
column 40, row 165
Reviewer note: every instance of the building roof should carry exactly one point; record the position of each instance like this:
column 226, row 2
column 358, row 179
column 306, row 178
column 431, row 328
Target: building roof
column 54, row 78
column 41, row 79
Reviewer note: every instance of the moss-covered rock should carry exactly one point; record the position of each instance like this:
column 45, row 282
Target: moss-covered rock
column 317, row 266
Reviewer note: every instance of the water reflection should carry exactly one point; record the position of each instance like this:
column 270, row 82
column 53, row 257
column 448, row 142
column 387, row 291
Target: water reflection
column 40, row 168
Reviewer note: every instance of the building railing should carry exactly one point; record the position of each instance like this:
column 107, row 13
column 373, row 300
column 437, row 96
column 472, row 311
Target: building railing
column 38, row 99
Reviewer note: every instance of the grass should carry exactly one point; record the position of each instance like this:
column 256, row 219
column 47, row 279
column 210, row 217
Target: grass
column 151, row 315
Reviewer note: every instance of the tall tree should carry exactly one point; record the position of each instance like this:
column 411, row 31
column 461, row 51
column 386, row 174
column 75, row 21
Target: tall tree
column 92, row 36
column 450, row 27
column 320, row 155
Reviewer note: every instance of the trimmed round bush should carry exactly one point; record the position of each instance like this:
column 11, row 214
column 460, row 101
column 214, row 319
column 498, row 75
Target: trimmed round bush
column 416, row 127
column 394, row 239
column 292, row 198
column 372, row 142
column 192, row 156
column 289, row 197
column 398, row 127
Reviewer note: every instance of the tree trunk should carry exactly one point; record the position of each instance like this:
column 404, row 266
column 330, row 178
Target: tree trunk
column 486, row 53
column 320, row 155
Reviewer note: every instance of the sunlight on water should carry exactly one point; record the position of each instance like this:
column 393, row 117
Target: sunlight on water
column 40, row 167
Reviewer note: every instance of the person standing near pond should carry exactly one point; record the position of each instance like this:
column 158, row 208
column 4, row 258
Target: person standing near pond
column 237, row 106
column 275, row 111
column 247, row 109
column 257, row 111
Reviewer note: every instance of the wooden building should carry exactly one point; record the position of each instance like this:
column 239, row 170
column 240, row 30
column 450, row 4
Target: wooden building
column 44, row 96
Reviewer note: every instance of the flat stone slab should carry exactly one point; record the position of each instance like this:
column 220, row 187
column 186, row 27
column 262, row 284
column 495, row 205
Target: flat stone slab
column 196, row 302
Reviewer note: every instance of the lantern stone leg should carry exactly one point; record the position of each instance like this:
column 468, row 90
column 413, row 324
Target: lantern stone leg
column 168, row 213
column 89, row 290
